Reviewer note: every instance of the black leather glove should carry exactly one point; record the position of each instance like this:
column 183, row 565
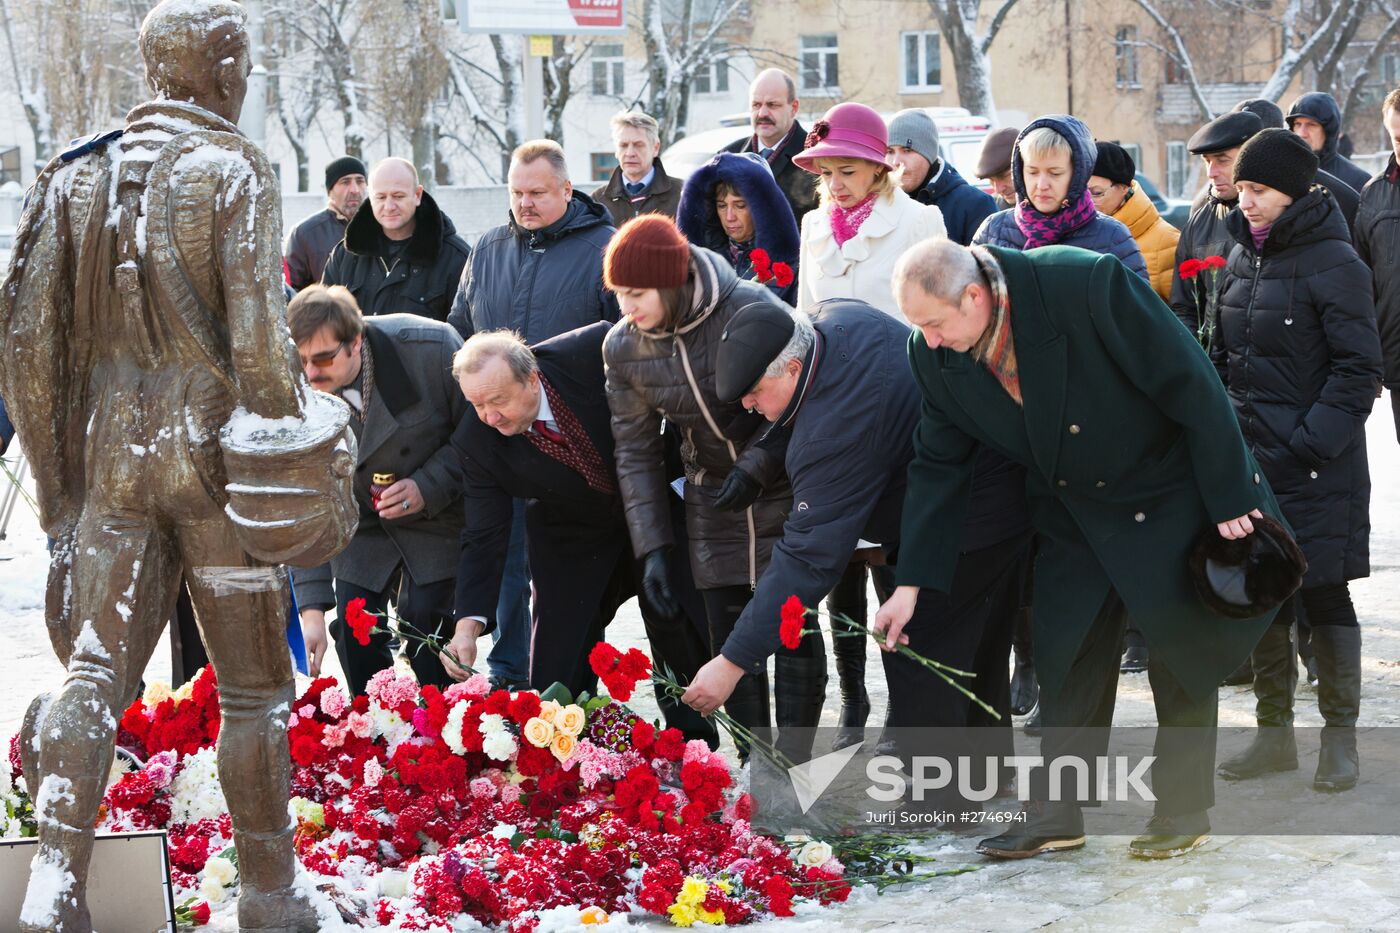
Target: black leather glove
column 738, row 492
column 656, row 585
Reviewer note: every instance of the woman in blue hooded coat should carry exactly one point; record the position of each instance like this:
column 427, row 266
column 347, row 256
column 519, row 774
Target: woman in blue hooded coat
column 1050, row 166
column 733, row 206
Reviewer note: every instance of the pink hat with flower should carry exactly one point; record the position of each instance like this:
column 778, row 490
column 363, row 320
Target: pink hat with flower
column 848, row 131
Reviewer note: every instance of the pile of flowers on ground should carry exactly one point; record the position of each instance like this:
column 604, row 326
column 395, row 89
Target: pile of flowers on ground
column 421, row 806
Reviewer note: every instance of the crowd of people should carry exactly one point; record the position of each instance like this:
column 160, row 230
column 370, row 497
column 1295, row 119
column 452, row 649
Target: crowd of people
column 696, row 392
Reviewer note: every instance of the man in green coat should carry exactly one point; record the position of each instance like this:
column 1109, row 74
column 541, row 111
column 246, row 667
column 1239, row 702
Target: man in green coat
column 1066, row 362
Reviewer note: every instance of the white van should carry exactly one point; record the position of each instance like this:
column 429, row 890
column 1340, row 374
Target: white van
column 960, row 136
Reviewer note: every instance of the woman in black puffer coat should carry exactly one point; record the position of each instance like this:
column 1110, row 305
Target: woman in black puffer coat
column 1301, row 360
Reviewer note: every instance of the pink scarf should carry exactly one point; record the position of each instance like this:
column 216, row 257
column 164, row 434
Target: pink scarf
column 845, row 223
column 1048, row 229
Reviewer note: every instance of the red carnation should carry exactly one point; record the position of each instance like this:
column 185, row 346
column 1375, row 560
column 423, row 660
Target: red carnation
column 782, row 274
column 361, row 623
column 760, row 261
column 1191, row 268
column 524, row 707
column 618, row 672
column 793, row 615
column 1213, row 262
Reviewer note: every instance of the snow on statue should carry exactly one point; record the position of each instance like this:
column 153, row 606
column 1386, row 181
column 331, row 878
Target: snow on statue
column 146, row 364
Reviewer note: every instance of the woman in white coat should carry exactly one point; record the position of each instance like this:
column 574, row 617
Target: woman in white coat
column 850, row 244
column 865, row 221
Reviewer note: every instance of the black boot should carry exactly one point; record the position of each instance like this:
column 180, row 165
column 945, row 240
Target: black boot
column 1134, row 652
column 1273, row 747
column 1244, row 674
column 748, row 705
column 1025, row 689
column 850, row 674
column 1338, row 652
column 800, row 691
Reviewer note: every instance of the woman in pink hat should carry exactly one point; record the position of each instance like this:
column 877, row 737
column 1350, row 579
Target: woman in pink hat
column 865, row 220
column 850, row 243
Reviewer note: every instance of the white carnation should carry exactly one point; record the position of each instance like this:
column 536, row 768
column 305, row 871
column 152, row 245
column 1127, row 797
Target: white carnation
column 499, row 745
column 492, row 723
column 195, row 792
column 452, row 731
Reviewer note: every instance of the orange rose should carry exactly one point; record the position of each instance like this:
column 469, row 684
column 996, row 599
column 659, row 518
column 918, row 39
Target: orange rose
column 562, row 746
column 538, row 732
column 548, row 708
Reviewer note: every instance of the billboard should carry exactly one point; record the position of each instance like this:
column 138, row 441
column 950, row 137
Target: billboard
column 542, row 17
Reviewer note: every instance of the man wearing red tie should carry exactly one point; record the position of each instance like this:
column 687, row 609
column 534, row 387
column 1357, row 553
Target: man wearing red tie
column 540, row 432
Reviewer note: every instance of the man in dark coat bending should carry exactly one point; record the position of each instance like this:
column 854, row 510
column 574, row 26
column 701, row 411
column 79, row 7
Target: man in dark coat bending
column 841, row 385
column 1070, row 365
column 540, row 431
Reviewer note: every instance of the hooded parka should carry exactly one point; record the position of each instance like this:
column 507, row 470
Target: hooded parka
column 1155, row 237
column 1102, row 234
column 1323, row 108
column 1301, row 360
column 670, row 373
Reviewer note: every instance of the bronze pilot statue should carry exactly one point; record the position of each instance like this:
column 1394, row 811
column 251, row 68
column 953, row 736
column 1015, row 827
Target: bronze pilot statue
column 145, row 358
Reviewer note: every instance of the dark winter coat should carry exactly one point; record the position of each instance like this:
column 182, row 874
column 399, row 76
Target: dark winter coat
column 414, row 406
column 309, row 245
column 1302, row 362
column 662, row 196
column 419, row 281
column 775, row 229
column 538, row 283
column 670, row 373
column 1131, row 453
column 1102, row 234
column 1204, row 235
column 576, row 536
column 1323, row 108
column 852, row 426
column 799, row 186
column 1378, row 244
column 1344, row 194
column 964, row 207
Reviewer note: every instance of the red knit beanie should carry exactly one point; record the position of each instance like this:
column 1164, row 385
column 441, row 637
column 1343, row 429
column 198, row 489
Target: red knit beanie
column 648, row 252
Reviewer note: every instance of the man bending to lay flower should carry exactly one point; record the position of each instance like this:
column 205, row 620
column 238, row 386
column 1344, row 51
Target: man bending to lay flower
column 841, row 385
column 1072, row 366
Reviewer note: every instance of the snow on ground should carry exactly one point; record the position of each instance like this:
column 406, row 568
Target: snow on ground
column 1236, row 884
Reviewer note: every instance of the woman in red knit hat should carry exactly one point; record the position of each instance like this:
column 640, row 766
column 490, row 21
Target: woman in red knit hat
column 676, row 300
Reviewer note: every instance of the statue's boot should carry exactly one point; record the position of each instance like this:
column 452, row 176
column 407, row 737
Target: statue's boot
column 267, row 900
column 56, row 901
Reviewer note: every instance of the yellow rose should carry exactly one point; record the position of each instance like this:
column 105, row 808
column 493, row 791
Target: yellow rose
column 156, row 691
column 562, row 746
column 570, row 719
column 547, row 710
column 538, row 732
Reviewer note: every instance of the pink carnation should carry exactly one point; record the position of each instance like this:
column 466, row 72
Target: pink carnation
column 307, row 711
column 333, row 703
column 482, row 787
column 391, row 691
column 161, row 768
column 360, row 725
column 473, row 688
column 334, row 735
column 374, row 772
column 510, row 793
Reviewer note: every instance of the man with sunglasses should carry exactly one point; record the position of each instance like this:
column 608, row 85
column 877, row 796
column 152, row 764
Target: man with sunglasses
column 395, row 372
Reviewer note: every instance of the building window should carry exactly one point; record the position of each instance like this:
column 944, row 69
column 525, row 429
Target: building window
column 608, row 70
column 1125, row 49
column 1390, row 69
column 711, row 78
column 601, row 164
column 1176, row 170
column 922, row 62
column 9, row 166
column 819, row 63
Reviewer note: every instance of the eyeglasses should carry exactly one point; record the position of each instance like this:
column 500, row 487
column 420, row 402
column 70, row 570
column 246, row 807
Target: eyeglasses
column 322, row 360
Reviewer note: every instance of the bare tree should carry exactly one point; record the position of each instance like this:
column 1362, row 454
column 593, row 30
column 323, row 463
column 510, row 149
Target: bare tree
column 297, row 78
column 559, row 82
column 972, row 69
column 1300, row 46
column 680, row 39
column 331, row 28
column 28, row 84
column 1176, row 50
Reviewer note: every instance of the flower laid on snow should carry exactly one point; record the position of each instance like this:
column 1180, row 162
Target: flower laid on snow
column 447, row 809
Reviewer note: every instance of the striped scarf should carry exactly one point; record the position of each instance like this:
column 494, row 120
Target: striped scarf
column 994, row 349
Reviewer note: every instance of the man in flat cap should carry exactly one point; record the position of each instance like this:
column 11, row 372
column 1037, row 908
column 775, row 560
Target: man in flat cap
column 994, row 164
column 841, row 385
column 1218, row 144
